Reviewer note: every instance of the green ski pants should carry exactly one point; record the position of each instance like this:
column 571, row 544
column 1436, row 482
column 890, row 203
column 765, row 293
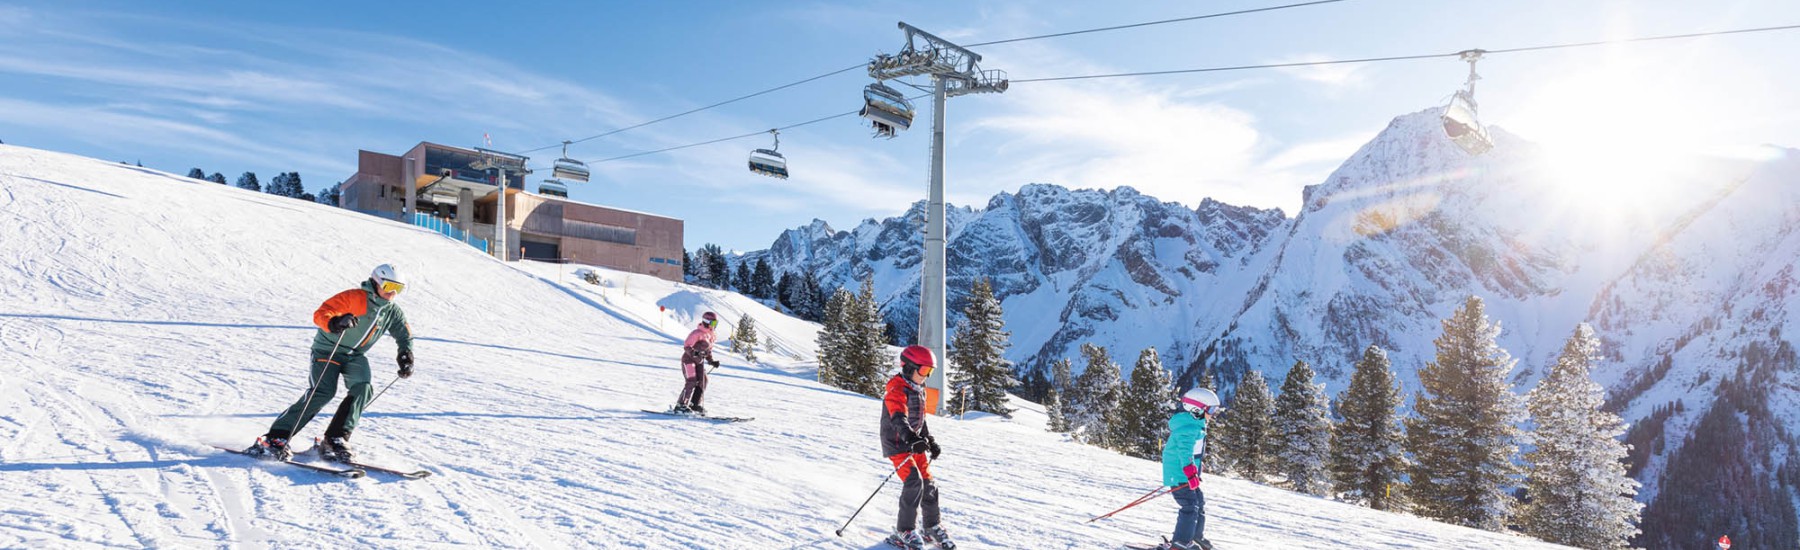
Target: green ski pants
column 324, row 380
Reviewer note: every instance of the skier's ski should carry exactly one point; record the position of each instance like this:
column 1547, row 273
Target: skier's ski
column 417, row 474
column 719, row 419
column 1136, row 546
column 351, row 473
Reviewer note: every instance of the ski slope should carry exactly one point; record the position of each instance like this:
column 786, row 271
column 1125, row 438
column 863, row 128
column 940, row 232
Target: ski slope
column 145, row 315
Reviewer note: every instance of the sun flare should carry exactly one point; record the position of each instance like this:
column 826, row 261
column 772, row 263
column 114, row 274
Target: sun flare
column 1615, row 141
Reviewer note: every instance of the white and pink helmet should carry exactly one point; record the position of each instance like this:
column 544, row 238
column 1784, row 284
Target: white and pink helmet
column 1199, row 400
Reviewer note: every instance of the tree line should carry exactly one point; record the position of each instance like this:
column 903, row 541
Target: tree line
column 286, row 184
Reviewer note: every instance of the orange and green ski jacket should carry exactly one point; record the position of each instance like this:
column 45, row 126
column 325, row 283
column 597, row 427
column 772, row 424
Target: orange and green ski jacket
column 374, row 316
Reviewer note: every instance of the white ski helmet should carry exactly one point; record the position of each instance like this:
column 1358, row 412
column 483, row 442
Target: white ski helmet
column 384, row 273
column 1199, row 400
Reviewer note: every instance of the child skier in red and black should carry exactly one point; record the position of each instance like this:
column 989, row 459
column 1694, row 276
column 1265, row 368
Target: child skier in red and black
column 696, row 354
column 908, row 443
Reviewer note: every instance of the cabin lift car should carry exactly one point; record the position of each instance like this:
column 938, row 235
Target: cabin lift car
column 1460, row 122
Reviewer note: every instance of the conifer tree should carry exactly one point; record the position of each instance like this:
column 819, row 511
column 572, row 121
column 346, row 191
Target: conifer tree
column 248, row 181
column 742, row 280
column 869, row 361
column 331, row 195
column 1367, row 454
column 197, row 173
column 832, row 357
column 1244, row 430
column 762, row 280
column 743, row 339
column 1463, row 437
column 1056, row 402
column 1580, row 495
column 1208, row 381
column 980, row 373
column 1142, row 422
column 1303, row 432
column 217, row 178
column 1094, row 397
column 687, row 266
column 783, row 292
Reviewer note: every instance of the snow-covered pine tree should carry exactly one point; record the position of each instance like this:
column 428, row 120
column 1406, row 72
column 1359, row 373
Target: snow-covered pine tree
column 197, row 173
column 687, row 266
column 807, row 298
column 832, row 357
column 1208, row 381
column 1367, row 454
column 871, row 341
column 1464, row 435
column 1094, row 397
column 1056, row 401
column 979, row 369
column 1303, row 432
column 1575, row 478
column 1142, row 422
column 762, row 280
column 784, row 291
column 743, row 338
column 248, row 181
column 330, row 195
column 216, row 178
column 1244, row 430
column 743, row 280
column 712, row 271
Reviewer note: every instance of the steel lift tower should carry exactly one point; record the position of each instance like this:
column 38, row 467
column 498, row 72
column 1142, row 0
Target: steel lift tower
column 954, row 72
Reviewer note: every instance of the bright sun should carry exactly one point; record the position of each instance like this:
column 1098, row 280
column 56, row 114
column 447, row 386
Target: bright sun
column 1615, row 142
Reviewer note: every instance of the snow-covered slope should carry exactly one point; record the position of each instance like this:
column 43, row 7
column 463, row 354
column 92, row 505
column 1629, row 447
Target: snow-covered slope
column 144, row 315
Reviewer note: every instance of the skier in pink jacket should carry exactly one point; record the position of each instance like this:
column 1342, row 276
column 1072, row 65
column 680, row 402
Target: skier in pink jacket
column 696, row 354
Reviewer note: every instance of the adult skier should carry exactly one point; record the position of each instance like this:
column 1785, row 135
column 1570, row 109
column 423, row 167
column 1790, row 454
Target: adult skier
column 349, row 324
column 1183, row 454
column 908, row 443
column 696, row 354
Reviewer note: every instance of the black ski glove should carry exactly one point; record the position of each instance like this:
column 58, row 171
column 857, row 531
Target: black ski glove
column 932, row 443
column 341, row 323
column 715, row 363
column 920, row 446
column 405, row 359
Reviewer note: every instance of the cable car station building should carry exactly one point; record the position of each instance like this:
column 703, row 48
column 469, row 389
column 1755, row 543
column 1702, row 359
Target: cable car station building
column 442, row 188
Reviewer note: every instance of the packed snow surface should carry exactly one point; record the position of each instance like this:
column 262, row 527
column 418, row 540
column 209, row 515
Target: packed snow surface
column 145, row 316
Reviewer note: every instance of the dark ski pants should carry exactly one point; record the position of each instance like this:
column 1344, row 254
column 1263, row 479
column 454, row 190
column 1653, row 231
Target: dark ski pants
column 919, row 492
column 696, row 384
column 325, row 372
column 1190, row 523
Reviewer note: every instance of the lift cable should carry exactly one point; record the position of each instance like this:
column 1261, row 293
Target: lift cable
column 1247, row 67
column 1408, row 57
column 865, row 64
column 1149, row 23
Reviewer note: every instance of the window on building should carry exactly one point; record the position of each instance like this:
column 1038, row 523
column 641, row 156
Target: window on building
column 599, row 232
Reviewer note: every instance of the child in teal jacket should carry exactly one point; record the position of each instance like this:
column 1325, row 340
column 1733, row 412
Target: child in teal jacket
column 1183, row 454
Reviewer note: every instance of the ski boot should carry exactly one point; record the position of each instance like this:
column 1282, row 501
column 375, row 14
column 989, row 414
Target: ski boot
column 681, row 408
column 1202, row 544
column 908, row 540
column 336, row 449
column 698, row 410
column 270, row 448
column 936, row 535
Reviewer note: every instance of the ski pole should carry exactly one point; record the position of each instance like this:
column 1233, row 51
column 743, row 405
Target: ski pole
column 1160, row 491
column 313, row 383
column 383, row 390
column 878, row 488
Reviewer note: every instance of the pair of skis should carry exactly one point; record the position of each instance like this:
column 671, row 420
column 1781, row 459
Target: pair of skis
column 352, row 469
column 717, row 419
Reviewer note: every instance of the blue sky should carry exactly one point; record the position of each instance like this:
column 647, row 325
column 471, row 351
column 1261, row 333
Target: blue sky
column 273, row 87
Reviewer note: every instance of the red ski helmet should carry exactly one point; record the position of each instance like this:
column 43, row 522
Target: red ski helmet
column 917, row 358
column 710, row 320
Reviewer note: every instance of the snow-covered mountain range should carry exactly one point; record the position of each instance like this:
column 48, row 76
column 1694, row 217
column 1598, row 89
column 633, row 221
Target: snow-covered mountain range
column 1381, row 251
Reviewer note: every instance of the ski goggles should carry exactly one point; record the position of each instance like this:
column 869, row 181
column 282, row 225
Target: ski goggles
column 392, row 287
column 711, row 324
